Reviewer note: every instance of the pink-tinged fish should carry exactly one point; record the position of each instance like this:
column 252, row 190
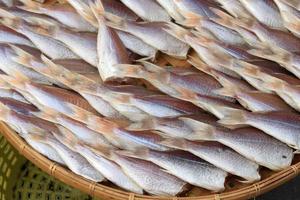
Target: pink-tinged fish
column 49, row 46
column 196, row 7
column 171, row 8
column 149, row 10
column 235, row 8
column 172, row 83
column 108, row 168
column 185, row 166
column 224, row 79
column 83, row 44
column 272, row 37
column 10, row 67
column 220, row 156
column 284, row 126
column 249, row 142
column 256, row 101
column 8, row 35
column 289, row 60
column 64, row 13
column 76, row 162
column 152, row 33
column 49, row 96
column 19, row 106
column 265, row 11
column 222, row 33
column 80, row 67
column 111, row 50
column 290, row 15
column 147, row 175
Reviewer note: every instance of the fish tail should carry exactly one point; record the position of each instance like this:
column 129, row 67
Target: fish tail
column 175, row 143
column 10, row 20
column 98, row 9
column 248, row 68
column 102, row 151
column 18, row 81
column 234, row 119
column 31, row 6
column 4, row 112
column 196, row 62
column 273, row 83
column 190, row 21
column 47, row 114
column 142, row 153
column 84, row 10
column 277, row 54
column 46, row 29
column 201, row 131
column 223, row 19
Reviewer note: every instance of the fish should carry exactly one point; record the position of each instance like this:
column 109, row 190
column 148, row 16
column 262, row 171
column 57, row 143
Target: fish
column 64, row 13
column 85, row 46
column 152, row 33
column 111, row 6
column 137, row 45
column 279, row 124
column 289, row 60
column 270, row 36
column 8, row 35
column 108, row 39
column 224, row 79
column 185, row 166
column 49, row 46
column 293, row 3
column 153, row 179
column 75, row 162
column 222, row 33
column 235, row 8
column 256, row 101
column 19, row 106
column 266, row 12
column 10, row 67
column 220, row 156
column 12, row 94
column 49, row 96
column 171, row 8
column 197, row 7
column 148, row 10
column 110, row 170
column 290, row 16
column 171, row 83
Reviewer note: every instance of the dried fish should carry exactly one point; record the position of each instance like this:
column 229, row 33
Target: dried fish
column 235, row 8
column 220, row 156
column 8, row 35
column 171, row 8
column 282, row 125
column 111, row 50
column 185, row 166
column 149, row 176
column 64, row 13
column 50, row 47
column 147, row 9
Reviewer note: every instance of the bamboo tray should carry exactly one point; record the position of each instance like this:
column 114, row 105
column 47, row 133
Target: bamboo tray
column 234, row 190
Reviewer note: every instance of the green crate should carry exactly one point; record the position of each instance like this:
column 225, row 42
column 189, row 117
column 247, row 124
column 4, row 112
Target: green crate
column 21, row 180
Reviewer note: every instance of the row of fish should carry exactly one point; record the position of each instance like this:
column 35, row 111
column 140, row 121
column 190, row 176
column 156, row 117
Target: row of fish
column 81, row 82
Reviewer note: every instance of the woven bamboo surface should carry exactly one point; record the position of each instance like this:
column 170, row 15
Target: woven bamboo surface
column 234, row 190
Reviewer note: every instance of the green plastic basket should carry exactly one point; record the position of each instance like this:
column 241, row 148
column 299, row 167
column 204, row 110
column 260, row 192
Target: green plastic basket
column 21, row 180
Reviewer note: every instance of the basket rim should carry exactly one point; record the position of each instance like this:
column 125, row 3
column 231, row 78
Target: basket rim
column 105, row 192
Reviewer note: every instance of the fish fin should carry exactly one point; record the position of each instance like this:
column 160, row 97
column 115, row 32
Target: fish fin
column 192, row 21
column 199, row 64
column 176, row 31
column 273, row 83
column 47, row 114
column 202, row 131
column 141, row 153
column 31, row 6
column 223, row 19
column 10, row 20
column 226, row 91
column 247, row 68
column 175, row 143
column 48, row 29
column 234, row 119
column 84, row 10
column 278, row 55
column 6, row 14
